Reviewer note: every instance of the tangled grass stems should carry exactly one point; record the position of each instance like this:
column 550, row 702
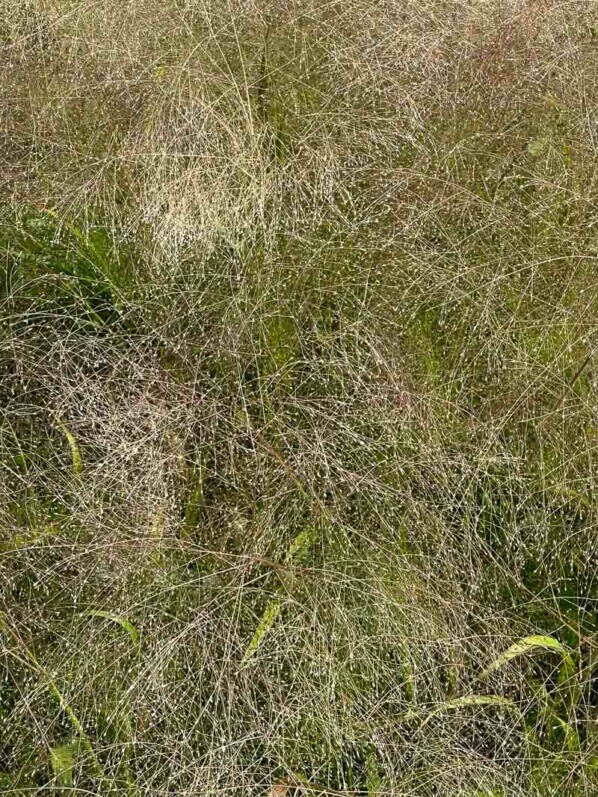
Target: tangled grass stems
column 298, row 398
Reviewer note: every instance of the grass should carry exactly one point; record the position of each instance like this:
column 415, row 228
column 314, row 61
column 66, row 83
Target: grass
column 298, row 332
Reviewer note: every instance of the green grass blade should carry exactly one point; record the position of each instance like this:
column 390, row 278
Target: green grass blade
column 526, row 645
column 373, row 782
column 77, row 459
column 125, row 624
column 472, row 700
column 269, row 617
column 31, row 660
column 62, row 761
column 298, row 548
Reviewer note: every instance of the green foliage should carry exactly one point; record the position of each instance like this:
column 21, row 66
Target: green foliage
column 530, row 643
column 57, row 266
column 75, row 451
column 125, row 624
column 62, row 760
column 269, row 617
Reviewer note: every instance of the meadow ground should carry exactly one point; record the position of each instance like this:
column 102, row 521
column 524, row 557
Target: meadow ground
column 298, row 315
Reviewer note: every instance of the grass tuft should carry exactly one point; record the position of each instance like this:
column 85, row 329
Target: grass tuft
column 298, row 323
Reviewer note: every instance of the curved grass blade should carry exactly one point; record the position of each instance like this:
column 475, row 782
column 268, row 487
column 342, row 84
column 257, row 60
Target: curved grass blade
column 31, row 660
column 530, row 643
column 472, row 700
column 125, row 624
column 74, row 446
column 299, row 547
column 571, row 736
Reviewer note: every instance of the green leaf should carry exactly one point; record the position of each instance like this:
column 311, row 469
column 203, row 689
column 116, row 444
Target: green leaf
column 298, row 548
column 269, row 617
column 125, row 624
column 373, row 782
column 530, row 643
column 74, row 446
column 472, row 700
column 62, row 760
column 571, row 736
column 300, row 545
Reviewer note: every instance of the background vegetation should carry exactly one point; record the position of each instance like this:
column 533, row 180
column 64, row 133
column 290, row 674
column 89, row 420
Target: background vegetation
column 298, row 310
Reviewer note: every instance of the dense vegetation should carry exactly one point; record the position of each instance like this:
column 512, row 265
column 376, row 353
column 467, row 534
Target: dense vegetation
column 298, row 314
